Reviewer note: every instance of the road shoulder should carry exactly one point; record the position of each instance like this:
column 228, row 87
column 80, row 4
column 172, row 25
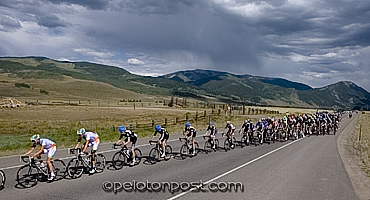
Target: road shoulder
column 359, row 179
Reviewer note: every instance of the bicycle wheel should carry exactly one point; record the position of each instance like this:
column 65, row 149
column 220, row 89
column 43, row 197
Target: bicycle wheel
column 100, row 163
column 153, row 155
column 244, row 141
column 75, row 168
column 118, row 160
column 227, row 144
column 217, row 145
column 207, row 147
column 233, row 144
column 138, row 156
column 197, row 149
column 27, row 176
column 2, row 180
column 168, row 152
column 59, row 169
column 184, row 151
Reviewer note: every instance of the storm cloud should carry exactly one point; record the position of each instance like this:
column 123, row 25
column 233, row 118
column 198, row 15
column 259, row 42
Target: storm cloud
column 314, row 42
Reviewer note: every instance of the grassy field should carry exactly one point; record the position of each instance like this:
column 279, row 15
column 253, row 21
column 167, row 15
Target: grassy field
column 361, row 140
column 60, row 123
column 67, row 88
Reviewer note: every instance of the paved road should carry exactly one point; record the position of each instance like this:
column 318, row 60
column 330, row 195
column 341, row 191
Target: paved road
column 309, row 168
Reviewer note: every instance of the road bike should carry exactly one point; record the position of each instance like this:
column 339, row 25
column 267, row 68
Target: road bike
column 36, row 170
column 2, row 179
column 83, row 163
column 187, row 148
column 228, row 143
column 209, row 145
column 269, row 136
column 156, row 152
column 123, row 157
column 256, row 137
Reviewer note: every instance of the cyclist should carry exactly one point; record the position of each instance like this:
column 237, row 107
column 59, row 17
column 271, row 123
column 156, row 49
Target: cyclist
column 260, row 126
column 92, row 139
column 247, row 128
column 212, row 133
column 162, row 139
column 230, row 129
column 130, row 137
column 47, row 147
column 190, row 132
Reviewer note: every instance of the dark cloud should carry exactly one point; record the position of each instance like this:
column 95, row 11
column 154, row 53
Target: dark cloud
column 51, row 21
column 158, row 7
column 8, row 23
column 91, row 4
column 316, row 41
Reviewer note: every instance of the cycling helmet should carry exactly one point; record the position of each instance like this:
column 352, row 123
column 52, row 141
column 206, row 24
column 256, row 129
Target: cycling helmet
column 228, row 122
column 187, row 124
column 34, row 137
column 249, row 120
column 246, row 121
column 210, row 123
column 158, row 127
column 81, row 131
column 122, row 129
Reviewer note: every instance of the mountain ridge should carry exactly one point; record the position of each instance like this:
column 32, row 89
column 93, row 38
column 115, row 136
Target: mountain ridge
column 201, row 84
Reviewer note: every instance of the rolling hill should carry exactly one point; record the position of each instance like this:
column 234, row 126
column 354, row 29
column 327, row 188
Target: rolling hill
column 200, row 84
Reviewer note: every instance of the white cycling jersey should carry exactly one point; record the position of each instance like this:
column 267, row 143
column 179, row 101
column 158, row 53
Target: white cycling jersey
column 91, row 137
column 46, row 143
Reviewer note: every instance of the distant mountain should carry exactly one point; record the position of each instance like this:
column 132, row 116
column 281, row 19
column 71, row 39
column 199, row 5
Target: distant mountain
column 200, row 77
column 200, row 84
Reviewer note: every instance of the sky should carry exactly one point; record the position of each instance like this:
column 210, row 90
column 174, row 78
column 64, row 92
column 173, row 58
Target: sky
column 316, row 42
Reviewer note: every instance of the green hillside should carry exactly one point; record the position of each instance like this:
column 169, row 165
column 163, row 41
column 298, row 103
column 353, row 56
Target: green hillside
column 206, row 85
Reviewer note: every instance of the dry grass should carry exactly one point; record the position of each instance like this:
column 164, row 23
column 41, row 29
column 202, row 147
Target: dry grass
column 60, row 123
column 361, row 140
column 66, row 89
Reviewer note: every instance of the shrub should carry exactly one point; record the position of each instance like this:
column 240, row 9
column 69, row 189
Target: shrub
column 44, row 91
column 22, row 85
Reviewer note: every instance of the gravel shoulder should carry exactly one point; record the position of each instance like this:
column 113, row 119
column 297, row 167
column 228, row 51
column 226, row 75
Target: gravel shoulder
column 359, row 179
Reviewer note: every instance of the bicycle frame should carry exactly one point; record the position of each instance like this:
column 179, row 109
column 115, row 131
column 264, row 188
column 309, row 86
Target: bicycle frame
column 32, row 163
column 84, row 161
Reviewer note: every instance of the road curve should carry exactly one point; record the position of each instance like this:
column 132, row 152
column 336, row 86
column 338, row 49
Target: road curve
column 310, row 168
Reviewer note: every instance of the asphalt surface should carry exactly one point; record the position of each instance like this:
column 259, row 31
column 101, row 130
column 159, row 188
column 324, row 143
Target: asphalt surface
column 309, row 168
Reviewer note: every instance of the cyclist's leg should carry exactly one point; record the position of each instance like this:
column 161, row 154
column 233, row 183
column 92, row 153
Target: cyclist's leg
column 213, row 137
column 51, row 153
column 95, row 147
column 163, row 142
column 231, row 137
column 133, row 143
column 133, row 154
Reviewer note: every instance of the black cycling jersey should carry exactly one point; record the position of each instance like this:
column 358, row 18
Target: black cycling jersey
column 191, row 130
column 129, row 134
column 164, row 134
column 212, row 128
column 247, row 126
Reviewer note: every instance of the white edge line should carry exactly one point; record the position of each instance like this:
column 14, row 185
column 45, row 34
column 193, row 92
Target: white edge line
column 237, row 168
column 70, row 157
